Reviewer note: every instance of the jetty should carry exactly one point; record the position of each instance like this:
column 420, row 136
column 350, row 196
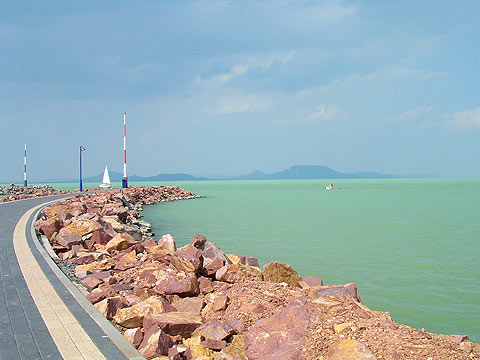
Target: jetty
column 83, row 278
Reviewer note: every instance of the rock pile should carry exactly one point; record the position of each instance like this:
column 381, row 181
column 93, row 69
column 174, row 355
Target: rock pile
column 197, row 302
column 17, row 192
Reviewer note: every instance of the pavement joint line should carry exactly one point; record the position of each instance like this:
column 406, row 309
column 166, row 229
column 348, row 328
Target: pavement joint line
column 29, row 265
column 111, row 332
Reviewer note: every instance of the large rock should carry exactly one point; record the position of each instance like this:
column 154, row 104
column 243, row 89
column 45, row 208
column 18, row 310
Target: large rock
column 174, row 323
column 155, row 343
column 198, row 240
column 237, row 273
column 349, row 349
column 120, row 242
column 108, row 307
column 192, row 255
column 49, row 226
column 134, row 336
column 184, row 287
column 167, row 242
column 215, row 330
column 211, row 251
column 234, row 351
column 189, row 304
column 68, row 241
column 80, row 227
column 279, row 272
column 132, row 317
column 336, row 291
column 279, row 337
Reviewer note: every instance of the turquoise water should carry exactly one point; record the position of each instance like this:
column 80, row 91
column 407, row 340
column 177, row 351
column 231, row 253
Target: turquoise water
column 411, row 245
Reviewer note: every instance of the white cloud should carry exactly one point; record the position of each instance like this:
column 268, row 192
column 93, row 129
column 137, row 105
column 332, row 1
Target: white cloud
column 242, row 104
column 324, row 112
column 263, row 62
column 414, row 113
column 467, row 119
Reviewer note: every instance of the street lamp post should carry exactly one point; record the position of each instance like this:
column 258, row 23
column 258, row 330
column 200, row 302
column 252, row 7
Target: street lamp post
column 81, row 179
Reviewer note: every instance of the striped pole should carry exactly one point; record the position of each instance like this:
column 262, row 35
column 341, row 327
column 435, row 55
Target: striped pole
column 125, row 178
column 25, row 167
column 81, row 176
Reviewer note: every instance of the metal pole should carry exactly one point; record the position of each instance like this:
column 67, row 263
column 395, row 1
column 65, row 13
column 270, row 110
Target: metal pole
column 25, row 167
column 81, row 181
column 125, row 178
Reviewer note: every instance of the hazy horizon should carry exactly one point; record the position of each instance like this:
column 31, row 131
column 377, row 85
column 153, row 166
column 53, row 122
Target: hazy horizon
column 214, row 87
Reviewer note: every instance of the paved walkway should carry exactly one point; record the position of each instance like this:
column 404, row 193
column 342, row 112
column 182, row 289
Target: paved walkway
column 43, row 315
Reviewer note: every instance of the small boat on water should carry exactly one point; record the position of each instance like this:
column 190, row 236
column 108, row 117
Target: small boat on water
column 329, row 187
column 106, row 180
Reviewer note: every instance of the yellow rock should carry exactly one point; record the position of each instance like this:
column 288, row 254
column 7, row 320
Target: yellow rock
column 131, row 257
column 200, row 352
column 120, row 242
column 81, row 227
column 158, row 249
column 340, row 327
column 96, row 266
column 194, row 340
column 349, row 349
column 237, row 348
column 132, row 317
column 235, row 259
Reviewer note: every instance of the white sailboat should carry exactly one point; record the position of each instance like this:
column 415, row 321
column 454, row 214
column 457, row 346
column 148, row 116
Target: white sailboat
column 106, row 180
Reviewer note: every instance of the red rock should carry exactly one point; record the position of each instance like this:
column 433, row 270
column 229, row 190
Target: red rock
column 80, row 227
column 192, row 255
column 67, row 241
column 155, row 343
column 132, row 317
column 236, row 325
column 184, row 287
column 189, row 304
column 220, row 303
column 313, row 281
column 206, row 285
column 85, row 258
column 252, row 261
column 457, row 339
column 134, row 336
column 174, row 323
column 279, row 272
column 336, row 291
column 211, row 251
column 279, row 337
column 101, row 237
column 215, row 330
column 100, row 293
column 236, row 273
column 214, row 344
column 108, row 307
column 50, row 226
column 149, row 242
column 91, row 282
column 213, row 266
column 198, row 240
column 349, row 349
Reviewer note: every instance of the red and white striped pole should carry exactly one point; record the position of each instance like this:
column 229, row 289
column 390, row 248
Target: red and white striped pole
column 25, row 167
column 125, row 178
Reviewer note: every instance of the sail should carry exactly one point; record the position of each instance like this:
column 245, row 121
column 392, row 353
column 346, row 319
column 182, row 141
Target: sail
column 106, row 177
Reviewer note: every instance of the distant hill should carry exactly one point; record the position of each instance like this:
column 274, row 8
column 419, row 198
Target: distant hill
column 294, row 172
column 320, row 172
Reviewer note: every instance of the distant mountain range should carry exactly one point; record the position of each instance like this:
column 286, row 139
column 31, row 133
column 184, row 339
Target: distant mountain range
column 294, row 172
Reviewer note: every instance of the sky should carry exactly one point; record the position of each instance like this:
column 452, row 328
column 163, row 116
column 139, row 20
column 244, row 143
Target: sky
column 228, row 87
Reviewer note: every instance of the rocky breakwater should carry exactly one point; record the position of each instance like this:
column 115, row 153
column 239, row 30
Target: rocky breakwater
column 18, row 192
column 197, row 302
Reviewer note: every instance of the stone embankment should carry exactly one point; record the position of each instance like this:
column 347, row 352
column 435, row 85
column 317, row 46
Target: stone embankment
column 197, row 302
column 18, row 192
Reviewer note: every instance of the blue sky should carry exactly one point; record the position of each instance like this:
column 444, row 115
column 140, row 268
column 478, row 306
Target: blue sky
column 226, row 87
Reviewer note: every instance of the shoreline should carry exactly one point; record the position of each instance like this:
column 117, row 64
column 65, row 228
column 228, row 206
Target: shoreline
column 170, row 278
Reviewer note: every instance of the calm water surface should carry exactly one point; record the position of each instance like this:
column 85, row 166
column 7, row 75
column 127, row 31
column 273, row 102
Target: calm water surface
column 411, row 245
